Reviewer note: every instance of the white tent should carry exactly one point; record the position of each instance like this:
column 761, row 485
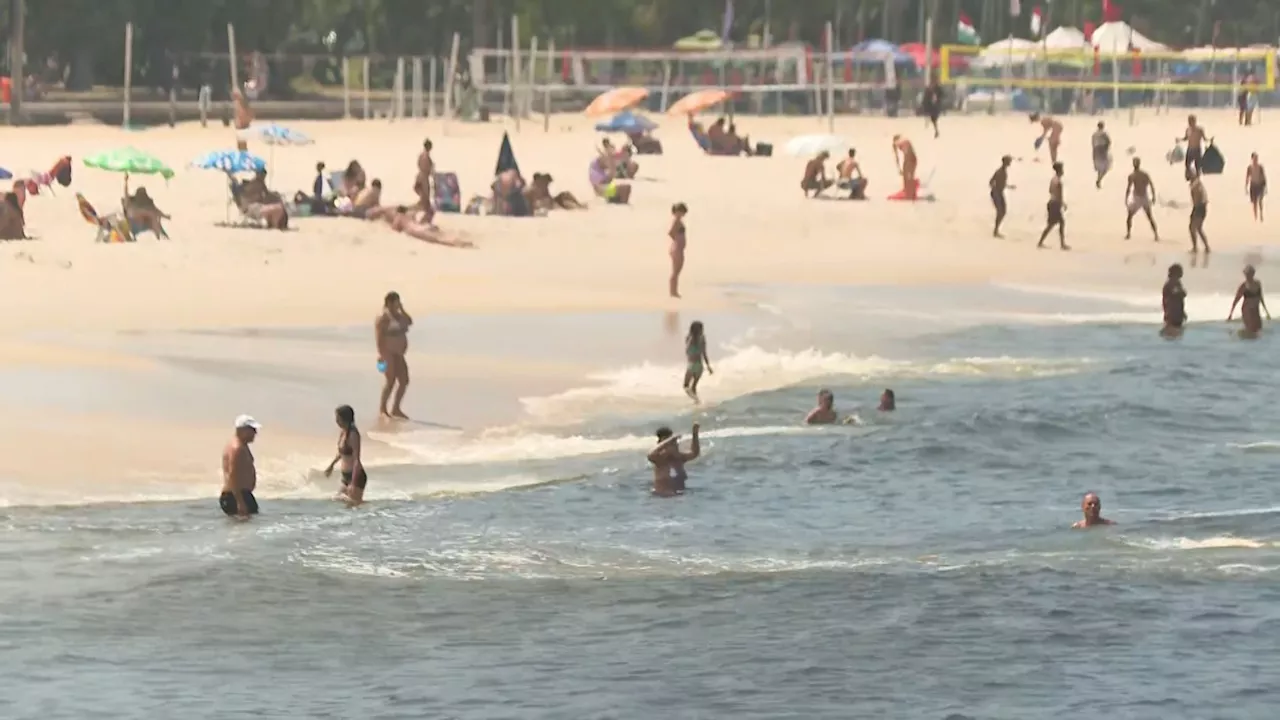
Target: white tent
column 1066, row 38
column 1011, row 50
column 1119, row 37
column 1224, row 53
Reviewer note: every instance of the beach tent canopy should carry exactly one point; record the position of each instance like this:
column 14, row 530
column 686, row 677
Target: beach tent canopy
column 1120, row 37
column 506, row 157
column 704, row 40
column 1066, row 38
column 1011, row 50
column 627, row 122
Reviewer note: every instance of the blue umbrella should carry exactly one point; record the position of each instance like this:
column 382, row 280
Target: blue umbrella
column 230, row 161
column 273, row 134
column 627, row 122
column 882, row 47
column 5, row 174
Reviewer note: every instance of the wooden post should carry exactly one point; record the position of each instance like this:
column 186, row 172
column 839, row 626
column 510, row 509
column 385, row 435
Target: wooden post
column 365, row 67
column 546, row 89
column 397, row 94
column 666, row 86
column 527, row 95
column 346, row 88
column 831, row 85
column 17, row 49
column 235, row 60
column 128, row 73
column 173, row 93
column 928, row 51
column 449, row 82
column 513, row 80
column 415, row 109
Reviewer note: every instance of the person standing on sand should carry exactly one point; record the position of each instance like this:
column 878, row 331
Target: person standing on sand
column 239, row 476
column 1091, row 506
column 354, row 478
column 1101, row 153
column 931, row 104
column 1173, row 299
column 1051, row 129
column 1056, row 210
column 1249, row 298
column 1199, row 211
column 422, row 185
column 1255, row 181
column 391, row 334
column 904, row 154
column 678, row 239
column 669, row 475
column 1194, row 136
column 695, row 355
column 1138, row 195
column 999, row 182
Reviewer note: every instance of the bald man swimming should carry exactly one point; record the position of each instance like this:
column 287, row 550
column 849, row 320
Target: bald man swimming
column 1091, row 506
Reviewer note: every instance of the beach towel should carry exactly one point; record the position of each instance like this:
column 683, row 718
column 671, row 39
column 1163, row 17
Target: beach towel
column 446, row 194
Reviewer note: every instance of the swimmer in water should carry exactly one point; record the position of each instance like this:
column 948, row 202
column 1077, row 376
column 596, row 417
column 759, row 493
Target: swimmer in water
column 825, row 412
column 888, row 401
column 1249, row 298
column 669, row 475
column 1051, row 129
column 695, row 355
column 1055, row 210
column 354, row 478
column 1174, row 301
column 1091, row 506
column 1138, row 195
column 999, row 182
column 905, row 156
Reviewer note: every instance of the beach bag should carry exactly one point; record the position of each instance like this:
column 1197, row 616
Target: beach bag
column 447, row 194
column 764, row 149
column 1176, row 155
column 1212, row 162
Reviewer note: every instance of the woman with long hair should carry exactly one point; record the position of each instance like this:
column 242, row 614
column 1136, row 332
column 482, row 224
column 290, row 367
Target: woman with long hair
column 354, row 478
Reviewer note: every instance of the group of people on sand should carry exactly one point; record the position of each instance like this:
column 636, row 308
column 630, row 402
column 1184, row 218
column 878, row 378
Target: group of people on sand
column 849, row 176
column 239, row 473
column 721, row 138
column 1248, row 298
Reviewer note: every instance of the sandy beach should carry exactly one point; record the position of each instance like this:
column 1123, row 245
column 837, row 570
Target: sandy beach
column 749, row 225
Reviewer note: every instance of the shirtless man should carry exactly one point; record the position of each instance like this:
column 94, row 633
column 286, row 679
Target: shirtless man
column 857, row 186
column 239, row 476
column 422, row 185
column 1195, row 143
column 905, row 156
column 1092, row 508
column 1051, row 129
column 1199, row 211
column 999, row 182
column 1255, row 180
column 1138, row 195
column 1055, row 209
column 815, row 175
column 825, row 412
column 1101, row 152
column 668, row 462
column 1173, row 300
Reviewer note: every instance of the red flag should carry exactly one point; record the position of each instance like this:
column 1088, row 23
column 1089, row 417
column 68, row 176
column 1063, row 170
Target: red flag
column 1088, row 31
column 1111, row 12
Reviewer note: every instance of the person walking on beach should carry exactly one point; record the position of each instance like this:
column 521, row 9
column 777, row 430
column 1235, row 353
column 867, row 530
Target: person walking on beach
column 1255, row 181
column 1055, row 210
column 695, row 354
column 1249, row 298
column 1194, row 136
column 1091, row 506
column 354, row 478
column 669, row 475
column 931, row 104
column 1199, row 211
column 391, row 334
column 999, row 182
column 678, row 240
column 422, row 185
column 1174, row 301
column 1101, row 153
column 1051, row 129
column 1138, row 195
column 239, row 475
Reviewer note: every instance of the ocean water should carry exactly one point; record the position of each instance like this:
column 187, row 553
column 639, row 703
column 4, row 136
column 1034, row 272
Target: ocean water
column 908, row 565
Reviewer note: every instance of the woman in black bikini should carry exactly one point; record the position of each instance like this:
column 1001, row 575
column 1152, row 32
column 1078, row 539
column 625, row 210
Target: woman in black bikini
column 354, row 478
column 1249, row 298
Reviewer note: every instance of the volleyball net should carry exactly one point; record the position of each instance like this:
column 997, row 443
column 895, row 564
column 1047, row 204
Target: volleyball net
column 1034, row 67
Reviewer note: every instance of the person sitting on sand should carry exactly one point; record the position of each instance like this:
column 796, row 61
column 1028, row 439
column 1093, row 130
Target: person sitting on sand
column 12, row 221
column 726, row 141
column 857, row 186
column 404, row 219
column 367, row 199
column 815, row 175
column 644, row 143
column 738, row 145
column 905, row 156
column 539, row 196
column 258, row 202
column 141, row 211
column 508, row 195
column 600, row 173
column 353, row 180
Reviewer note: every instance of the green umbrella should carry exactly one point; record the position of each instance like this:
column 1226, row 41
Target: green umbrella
column 129, row 160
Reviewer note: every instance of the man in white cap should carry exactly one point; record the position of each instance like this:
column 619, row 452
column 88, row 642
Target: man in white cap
column 239, row 476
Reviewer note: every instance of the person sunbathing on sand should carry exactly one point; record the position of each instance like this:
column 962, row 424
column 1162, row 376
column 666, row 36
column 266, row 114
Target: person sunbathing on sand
column 726, row 142
column 539, row 196
column 403, row 220
column 368, row 199
column 905, row 157
column 815, row 175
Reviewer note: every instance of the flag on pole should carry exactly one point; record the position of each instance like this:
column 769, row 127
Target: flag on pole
column 1111, row 12
column 966, row 34
column 1037, row 21
column 727, row 28
column 1015, row 7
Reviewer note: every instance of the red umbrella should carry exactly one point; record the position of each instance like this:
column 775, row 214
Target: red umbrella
column 917, row 52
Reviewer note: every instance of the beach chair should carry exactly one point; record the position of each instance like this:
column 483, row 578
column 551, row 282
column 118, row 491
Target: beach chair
column 446, row 194
column 703, row 140
column 112, row 228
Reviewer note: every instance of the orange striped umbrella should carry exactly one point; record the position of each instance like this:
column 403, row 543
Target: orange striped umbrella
column 616, row 100
column 697, row 102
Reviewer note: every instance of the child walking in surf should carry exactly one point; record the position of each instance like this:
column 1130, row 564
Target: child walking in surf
column 695, row 355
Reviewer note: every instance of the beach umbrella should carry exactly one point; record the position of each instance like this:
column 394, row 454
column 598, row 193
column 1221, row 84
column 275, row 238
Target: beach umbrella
column 810, row 145
column 704, row 40
column 129, row 160
column 696, row 102
column 273, row 134
column 231, row 162
column 5, row 174
column 627, row 122
column 616, row 100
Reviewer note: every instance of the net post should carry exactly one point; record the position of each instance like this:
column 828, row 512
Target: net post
column 346, row 88
column 18, row 89
column 666, row 86
column 527, row 96
column 431, row 87
column 449, row 82
column 365, row 69
column 546, row 89
column 416, row 104
column 513, row 81
column 831, row 85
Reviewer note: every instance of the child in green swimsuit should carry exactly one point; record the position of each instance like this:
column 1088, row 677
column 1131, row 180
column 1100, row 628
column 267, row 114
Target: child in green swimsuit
column 695, row 354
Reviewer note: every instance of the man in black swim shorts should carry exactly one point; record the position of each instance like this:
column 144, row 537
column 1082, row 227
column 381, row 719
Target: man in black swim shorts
column 239, row 476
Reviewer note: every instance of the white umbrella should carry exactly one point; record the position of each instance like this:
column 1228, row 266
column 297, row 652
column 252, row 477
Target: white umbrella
column 810, row 145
